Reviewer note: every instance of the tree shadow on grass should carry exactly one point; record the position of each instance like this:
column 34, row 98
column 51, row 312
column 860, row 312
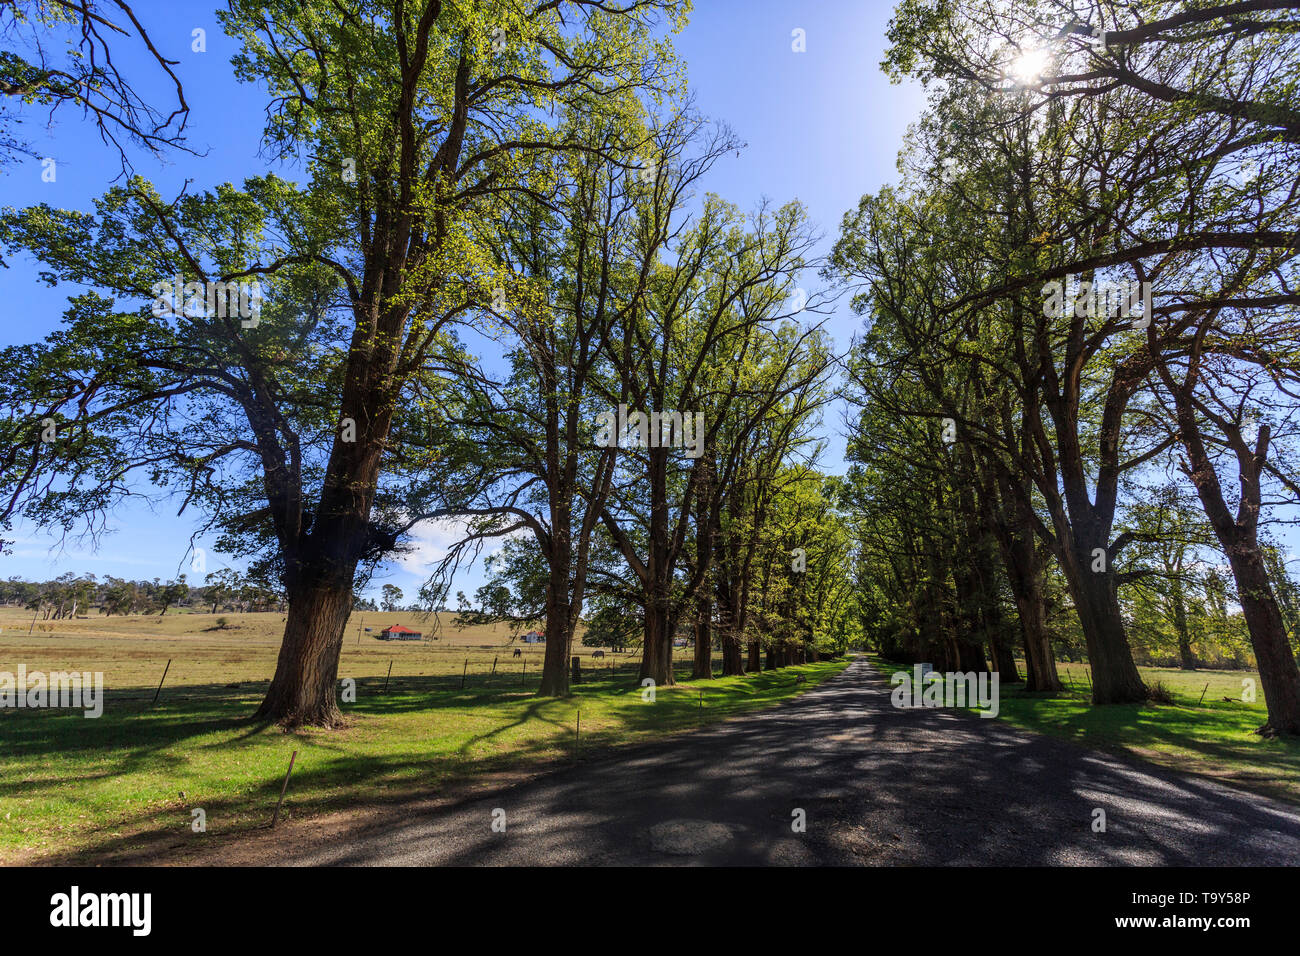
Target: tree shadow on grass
column 1218, row 742
column 138, row 738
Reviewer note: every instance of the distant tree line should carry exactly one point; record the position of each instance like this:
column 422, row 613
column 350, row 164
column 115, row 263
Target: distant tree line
column 71, row 595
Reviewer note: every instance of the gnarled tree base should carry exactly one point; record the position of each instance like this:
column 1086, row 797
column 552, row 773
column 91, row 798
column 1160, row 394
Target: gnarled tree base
column 328, row 717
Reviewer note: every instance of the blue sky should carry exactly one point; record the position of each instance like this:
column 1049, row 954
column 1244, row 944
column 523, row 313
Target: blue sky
column 822, row 126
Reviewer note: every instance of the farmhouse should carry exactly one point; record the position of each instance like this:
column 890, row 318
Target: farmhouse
column 534, row 637
column 399, row 633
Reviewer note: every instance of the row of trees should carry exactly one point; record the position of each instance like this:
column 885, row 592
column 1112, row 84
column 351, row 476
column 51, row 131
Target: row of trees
column 652, row 411
column 496, row 263
column 1081, row 357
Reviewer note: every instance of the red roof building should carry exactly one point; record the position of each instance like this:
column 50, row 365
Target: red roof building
column 399, row 633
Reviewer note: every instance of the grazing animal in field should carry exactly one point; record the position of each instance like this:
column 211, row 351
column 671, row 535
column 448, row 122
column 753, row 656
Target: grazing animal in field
column 518, row 652
column 598, row 654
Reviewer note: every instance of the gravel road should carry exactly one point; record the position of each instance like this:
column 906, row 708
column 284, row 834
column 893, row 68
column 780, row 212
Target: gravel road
column 875, row 784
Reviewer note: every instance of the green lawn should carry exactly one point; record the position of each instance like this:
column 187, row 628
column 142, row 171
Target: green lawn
column 73, row 788
column 1213, row 737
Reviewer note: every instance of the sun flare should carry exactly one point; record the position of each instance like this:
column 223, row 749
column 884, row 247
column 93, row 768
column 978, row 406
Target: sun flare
column 1028, row 67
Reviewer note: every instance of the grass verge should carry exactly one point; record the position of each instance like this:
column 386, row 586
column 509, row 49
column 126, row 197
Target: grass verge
column 76, row 790
column 1199, row 733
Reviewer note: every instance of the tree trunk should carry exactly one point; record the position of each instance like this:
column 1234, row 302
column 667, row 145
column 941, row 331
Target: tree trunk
column 657, row 648
column 703, row 669
column 970, row 656
column 994, row 622
column 560, row 624
column 704, row 545
column 1003, row 659
column 1187, row 660
column 1039, row 659
column 1239, row 537
column 979, row 577
column 1031, row 603
column 1277, row 667
column 303, row 691
column 1115, row 678
column 559, row 635
column 755, row 657
column 733, row 664
column 733, row 629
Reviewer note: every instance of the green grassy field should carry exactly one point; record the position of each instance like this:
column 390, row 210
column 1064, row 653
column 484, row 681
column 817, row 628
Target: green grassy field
column 133, row 652
column 73, row 789
column 1208, row 735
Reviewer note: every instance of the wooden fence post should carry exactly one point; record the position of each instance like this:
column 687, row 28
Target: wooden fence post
column 275, row 819
column 160, row 683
